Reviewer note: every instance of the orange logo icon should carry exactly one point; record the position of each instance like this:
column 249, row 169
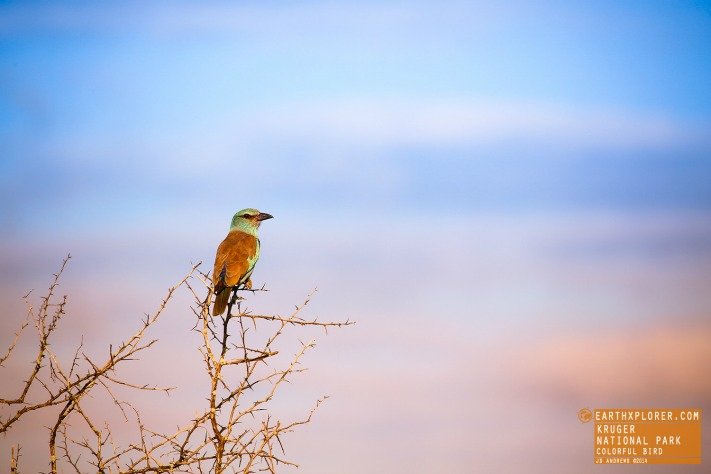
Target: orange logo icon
column 584, row 415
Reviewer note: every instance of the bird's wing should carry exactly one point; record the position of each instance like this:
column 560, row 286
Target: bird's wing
column 235, row 259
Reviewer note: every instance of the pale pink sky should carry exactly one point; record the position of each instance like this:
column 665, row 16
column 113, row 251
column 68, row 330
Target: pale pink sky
column 482, row 368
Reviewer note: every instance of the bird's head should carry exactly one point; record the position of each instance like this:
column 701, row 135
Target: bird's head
column 249, row 218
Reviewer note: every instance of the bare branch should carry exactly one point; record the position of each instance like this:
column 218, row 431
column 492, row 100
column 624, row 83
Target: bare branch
column 233, row 432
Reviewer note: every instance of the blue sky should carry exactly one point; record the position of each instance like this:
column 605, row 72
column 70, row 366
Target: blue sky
column 513, row 178
column 143, row 95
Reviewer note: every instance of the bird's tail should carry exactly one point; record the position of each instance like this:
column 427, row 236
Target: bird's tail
column 221, row 301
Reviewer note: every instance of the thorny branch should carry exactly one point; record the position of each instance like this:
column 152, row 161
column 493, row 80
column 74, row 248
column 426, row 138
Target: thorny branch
column 234, row 431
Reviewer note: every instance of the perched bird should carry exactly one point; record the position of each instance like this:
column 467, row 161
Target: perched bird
column 236, row 257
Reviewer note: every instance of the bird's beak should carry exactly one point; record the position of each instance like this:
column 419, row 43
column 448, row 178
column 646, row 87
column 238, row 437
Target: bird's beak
column 263, row 216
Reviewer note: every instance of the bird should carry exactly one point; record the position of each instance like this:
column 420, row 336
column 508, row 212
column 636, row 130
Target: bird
column 236, row 257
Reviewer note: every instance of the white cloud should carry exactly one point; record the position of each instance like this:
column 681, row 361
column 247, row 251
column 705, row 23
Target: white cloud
column 356, row 141
column 374, row 122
